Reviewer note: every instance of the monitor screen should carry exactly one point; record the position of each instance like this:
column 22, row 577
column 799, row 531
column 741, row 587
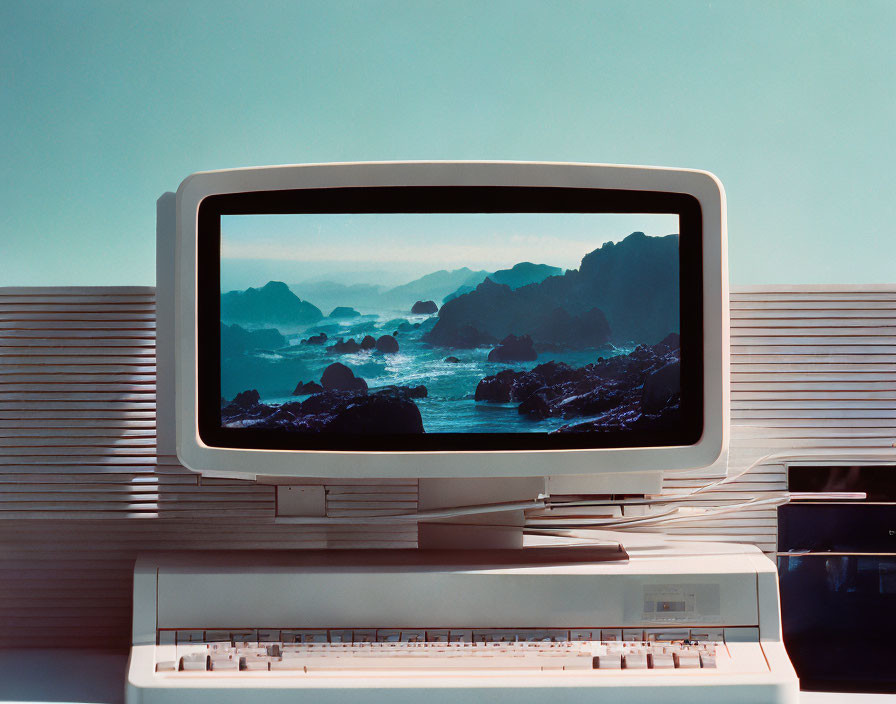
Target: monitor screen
column 453, row 318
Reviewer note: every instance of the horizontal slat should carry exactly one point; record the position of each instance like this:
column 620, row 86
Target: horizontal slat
column 101, row 404
column 745, row 316
column 28, row 318
column 62, row 307
column 74, row 426
column 69, row 465
column 89, row 359
column 75, row 327
column 879, row 342
column 841, row 334
column 756, row 402
column 70, row 292
column 805, row 346
column 78, row 414
column 815, row 356
column 819, row 376
column 856, row 386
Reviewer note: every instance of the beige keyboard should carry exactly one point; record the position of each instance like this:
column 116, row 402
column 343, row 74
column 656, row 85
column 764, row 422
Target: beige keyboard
column 272, row 650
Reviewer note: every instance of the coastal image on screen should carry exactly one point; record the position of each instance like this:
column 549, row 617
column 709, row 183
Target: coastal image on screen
column 405, row 323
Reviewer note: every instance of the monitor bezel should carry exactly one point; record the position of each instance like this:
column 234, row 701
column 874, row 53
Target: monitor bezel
column 447, row 199
column 278, row 465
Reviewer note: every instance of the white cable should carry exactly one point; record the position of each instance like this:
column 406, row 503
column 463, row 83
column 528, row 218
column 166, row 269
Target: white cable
column 698, row 513
column 680, row 514
column 541, row 503
column 850, row 455
column 413, row 517
column 772, row 458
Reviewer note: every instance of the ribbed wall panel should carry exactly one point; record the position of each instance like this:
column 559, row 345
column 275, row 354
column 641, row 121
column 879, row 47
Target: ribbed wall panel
column 813, row 374
column 82, row 491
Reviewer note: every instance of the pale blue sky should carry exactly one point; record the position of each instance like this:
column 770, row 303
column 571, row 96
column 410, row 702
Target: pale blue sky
column 392, row 249
column 105, row 105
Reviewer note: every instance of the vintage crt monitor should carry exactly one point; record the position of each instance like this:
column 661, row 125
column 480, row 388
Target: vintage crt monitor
column 486, row 329
column 582, row 264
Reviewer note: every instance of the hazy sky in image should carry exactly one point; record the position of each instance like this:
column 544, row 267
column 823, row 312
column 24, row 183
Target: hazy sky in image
column 344, row 247
column 105, row 106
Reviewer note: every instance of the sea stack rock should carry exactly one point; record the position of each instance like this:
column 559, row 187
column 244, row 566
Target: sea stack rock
column 496, row 388
column 424, row 307
column 338, row 377
column 514, row 349
column 451, row 360
column 344, row 312
column 311, row 387
column 368, row 343
column 346, row 347
column 387, row 344
column 318, row 339
column 247, row 399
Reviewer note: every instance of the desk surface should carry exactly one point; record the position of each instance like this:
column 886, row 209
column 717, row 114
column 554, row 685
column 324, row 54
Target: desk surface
column 97, row 677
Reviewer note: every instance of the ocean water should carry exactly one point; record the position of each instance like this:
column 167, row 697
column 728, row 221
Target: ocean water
column 450, row 404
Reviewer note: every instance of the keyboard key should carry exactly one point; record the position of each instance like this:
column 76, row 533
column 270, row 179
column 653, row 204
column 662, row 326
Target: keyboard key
column 166, row 666
column 254, row 664
column 224, row 664
column 703, row 635
column 609, row 661
column 687, row 660
column 667, row 635
column 707, row 660
column 194, row 661
column 288, row 664
column 635, row 661
column 660, row 661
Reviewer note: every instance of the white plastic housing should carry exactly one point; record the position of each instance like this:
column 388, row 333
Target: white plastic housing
column 248, row 463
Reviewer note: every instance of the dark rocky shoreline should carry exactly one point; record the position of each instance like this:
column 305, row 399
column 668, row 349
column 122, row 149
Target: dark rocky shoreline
column 637, row 391
column 383, row 412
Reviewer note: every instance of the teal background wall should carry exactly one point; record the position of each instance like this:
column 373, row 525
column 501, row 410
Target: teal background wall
column 104, row 106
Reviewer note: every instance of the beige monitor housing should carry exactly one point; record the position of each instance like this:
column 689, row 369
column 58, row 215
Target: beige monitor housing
column 570, row 468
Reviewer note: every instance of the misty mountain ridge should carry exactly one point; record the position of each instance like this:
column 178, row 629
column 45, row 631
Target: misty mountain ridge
column 518, row 275
column 440, row 286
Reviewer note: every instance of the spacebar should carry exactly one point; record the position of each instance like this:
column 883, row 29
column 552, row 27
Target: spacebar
column 429, row 662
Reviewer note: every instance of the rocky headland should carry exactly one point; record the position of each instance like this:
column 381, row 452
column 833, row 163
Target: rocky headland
column 623, row 292
column 272, row 303
column 236, row 340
